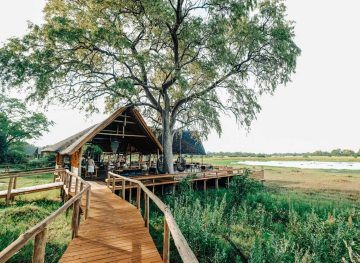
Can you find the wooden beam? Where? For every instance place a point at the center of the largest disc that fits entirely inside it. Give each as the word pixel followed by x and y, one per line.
pixel 138 194
pixel 75 218
pixel 123 189
pixel 8 196
pixel 39 247
pixel 127 122
pixel 123 135
pixel 166 243
pixel 87 208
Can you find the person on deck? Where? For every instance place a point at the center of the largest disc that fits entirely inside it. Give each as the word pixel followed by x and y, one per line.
pixel 91 167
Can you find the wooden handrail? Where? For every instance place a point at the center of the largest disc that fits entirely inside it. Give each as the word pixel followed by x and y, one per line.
pixel 28 173
pixel 39 230
pixel 170 225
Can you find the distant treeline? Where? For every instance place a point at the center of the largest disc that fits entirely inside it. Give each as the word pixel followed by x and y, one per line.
pixel 335 152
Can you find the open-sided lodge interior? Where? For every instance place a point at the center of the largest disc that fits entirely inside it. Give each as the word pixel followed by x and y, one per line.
pixel 122 143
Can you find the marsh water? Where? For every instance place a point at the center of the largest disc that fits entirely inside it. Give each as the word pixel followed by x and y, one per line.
pixel 306 164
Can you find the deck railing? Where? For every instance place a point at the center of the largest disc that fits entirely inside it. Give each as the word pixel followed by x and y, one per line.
pixel 14 175
pixel 170 226
pixel 74 184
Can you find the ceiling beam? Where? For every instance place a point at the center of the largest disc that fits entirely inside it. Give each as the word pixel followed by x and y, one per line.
pixel 123 135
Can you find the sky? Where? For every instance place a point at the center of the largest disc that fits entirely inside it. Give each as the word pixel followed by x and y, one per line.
pixel 318 110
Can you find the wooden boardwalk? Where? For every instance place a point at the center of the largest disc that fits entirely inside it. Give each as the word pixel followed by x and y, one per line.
pixel 114 232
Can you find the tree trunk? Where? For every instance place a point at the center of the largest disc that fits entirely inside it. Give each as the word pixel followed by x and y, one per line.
pixel 167 142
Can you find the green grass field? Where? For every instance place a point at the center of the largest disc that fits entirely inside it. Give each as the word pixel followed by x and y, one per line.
pixel 28 210
pixel 301 215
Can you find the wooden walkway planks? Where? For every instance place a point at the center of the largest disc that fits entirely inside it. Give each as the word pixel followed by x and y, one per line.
pixel 113 232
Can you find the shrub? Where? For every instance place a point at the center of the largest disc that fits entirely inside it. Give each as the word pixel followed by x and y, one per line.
pixel 242 185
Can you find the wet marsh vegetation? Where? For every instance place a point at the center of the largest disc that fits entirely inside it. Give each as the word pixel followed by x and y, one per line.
pixel 253 223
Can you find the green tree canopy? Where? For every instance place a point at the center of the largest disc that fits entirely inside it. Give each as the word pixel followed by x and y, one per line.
pixel 18 124
pixel 183 62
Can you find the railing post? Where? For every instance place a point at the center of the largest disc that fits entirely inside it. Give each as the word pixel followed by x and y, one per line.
pixel 123 189
pixel 130 193
pixel 113 184
pixel 204 185
pixel 76 185
pixel 138 193
pixel 146 210
pixel 14 184
pixel 166 243
pixel 217 181
pixel 228 182
pixel 8 195
pixel 87 202
pixel 39 247
pixel 75 218
pixel 14 187
pixel 69 187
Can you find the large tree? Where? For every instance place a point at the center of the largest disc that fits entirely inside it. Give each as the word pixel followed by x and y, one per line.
pixel 17 125
pixel 183 62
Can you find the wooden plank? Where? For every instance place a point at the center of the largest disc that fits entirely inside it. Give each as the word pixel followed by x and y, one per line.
pixel 113 232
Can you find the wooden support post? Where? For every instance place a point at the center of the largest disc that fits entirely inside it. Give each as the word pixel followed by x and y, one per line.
pixel 8 195
pixel 39 247
pixel 108 181
pixel 162 189
pixel 75 218
pixel 166 243
pixel 130 193
pixel 113 185
pixel 69 187
pixel 14 185
pixel 204 185
pixel 217 183
pixel 87 208
pixel 123 189
pixel 138 193
pixel 174 188
pixel 153 188
pixel 228 181
pixel 146 210
pixel 81 186
pixel 76 185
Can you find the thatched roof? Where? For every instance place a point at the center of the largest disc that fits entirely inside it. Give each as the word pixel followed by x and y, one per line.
pixel 125 124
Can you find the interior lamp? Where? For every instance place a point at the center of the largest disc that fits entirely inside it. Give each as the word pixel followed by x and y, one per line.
pixel 114 146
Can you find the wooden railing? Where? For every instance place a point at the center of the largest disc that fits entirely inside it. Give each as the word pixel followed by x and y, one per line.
pixel 170 226
pixel 39 231
pixel 13 176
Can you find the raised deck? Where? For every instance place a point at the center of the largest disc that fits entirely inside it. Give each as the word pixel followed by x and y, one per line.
pixel 114 232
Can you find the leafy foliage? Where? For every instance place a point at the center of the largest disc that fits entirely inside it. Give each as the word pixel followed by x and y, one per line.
pixel 184 62
pixel 18 124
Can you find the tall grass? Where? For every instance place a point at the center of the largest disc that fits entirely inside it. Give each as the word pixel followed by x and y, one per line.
pixel 22 215
pixel 252 223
